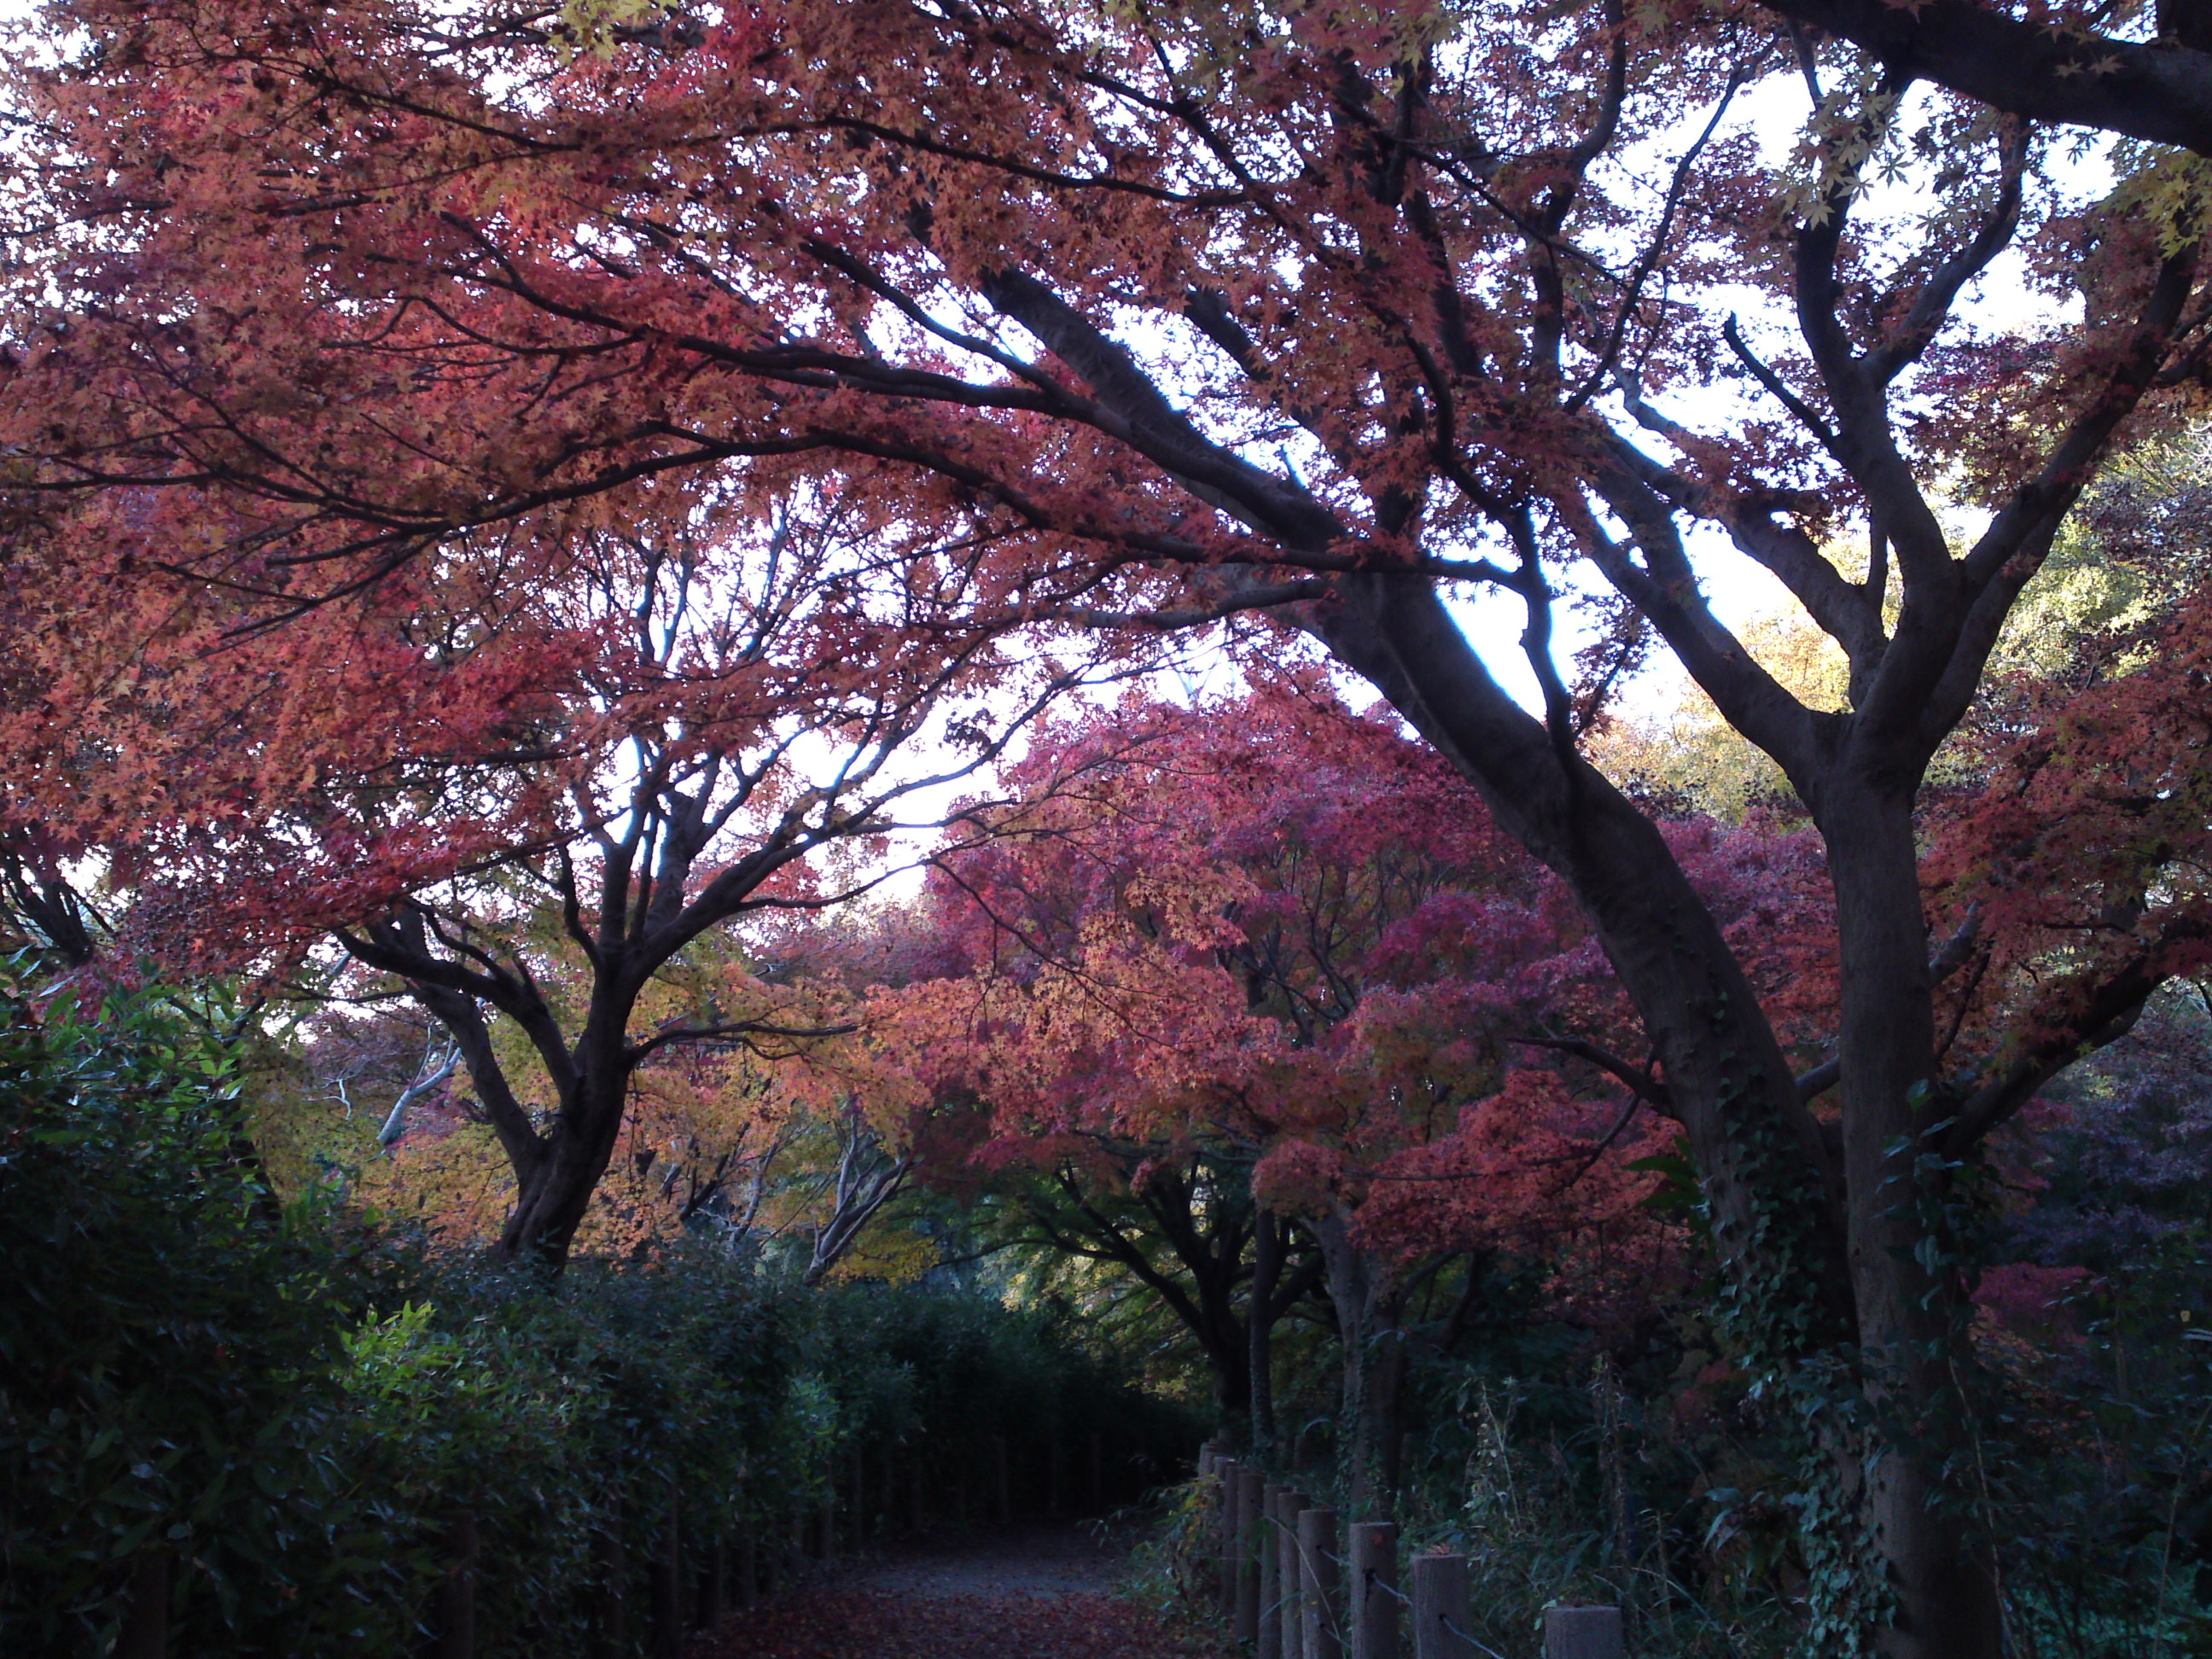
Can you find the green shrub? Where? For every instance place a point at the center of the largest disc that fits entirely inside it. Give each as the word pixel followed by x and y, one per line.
pixel 296 1409
pixel 169 1341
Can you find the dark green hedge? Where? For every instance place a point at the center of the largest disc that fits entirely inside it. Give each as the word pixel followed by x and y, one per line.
pixel 294 1408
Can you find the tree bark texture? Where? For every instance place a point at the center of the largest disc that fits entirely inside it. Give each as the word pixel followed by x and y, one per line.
pixel 1373 1344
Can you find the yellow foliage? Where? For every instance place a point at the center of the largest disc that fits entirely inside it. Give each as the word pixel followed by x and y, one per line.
pixel 1683 746
pixel 458 1185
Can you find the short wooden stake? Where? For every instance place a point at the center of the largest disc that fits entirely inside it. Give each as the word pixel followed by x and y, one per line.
pixel 1271 1575
pixel 146 1609
pixel 1097 1471
pixel 859 1527
pixel 1441 1618
pixel 611 1636
pixel 1224 1520
pixel 714 1584
pixel 1251 1536
pixel 1582 1633
pixel 1374 1590
pixel 1286 1540
pixel 1319 1566
pixel 457 1591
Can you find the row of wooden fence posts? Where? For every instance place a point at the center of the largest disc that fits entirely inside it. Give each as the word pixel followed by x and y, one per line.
pixel 737 1574
pixel 1291 1590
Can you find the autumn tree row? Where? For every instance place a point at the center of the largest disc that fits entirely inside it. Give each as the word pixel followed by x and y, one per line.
pixel 348 343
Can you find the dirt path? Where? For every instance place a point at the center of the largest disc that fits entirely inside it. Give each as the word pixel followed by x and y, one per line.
pixel 1040 1593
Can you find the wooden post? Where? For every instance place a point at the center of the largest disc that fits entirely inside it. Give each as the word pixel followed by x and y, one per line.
pixel 1052 1477
pixel 749 1585
pixel 1271 1575
pixel 1582 1633
pixel 611 1637
pixel 1440 1607
pixel 457 1591
pixel 1374 1590
pixel 1252 1532
pixel 1287 1509
pixel 146 1609
pixel 830 1510
pixel 1097 1471
pixel 1319 1569
pixel 668 1584
pixel 1225 1520
pixel 1003 1489
pixel 860 1528
pixel 919 1516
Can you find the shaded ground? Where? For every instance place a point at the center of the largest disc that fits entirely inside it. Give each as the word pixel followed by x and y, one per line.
pixel 1038 1594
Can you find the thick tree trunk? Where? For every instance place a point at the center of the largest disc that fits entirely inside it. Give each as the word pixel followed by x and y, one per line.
pixel 1942 1579
pixel 554 1192
pixel 1817 1260
pixel 550 1201
pixel 1774 1201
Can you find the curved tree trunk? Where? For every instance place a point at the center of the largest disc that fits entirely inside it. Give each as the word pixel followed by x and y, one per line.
pixel 1818 1260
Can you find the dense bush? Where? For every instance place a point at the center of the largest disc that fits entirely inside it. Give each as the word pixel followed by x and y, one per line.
pixel 940 1383
pixel 170 1346
pixel 296 1409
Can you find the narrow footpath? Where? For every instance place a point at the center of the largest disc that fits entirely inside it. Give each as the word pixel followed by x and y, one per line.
pixel 1035 1593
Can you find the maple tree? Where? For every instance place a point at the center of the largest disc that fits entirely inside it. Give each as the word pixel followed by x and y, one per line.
pixel 716 1143
pixel 1265 932
pixel 534 806
pixel 1322 312
pixel 1176 1220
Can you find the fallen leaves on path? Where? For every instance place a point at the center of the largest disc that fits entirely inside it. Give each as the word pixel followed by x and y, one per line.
pixel 860 1624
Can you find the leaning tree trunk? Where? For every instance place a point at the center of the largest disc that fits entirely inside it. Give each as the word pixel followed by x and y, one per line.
pixel 1801 1242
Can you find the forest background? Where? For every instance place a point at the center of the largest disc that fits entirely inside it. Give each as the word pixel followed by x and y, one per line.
pixel 575 500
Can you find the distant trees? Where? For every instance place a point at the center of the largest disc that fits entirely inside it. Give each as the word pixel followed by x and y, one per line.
pixel 1272 950
pixel 530 788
